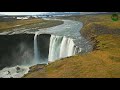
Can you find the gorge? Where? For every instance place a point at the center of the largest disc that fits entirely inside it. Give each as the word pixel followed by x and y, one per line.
pixel 30 47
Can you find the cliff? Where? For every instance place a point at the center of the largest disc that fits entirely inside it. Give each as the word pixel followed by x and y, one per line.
pixel 102 62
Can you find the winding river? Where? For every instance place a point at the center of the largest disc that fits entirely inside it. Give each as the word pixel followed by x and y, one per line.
pixel 65 40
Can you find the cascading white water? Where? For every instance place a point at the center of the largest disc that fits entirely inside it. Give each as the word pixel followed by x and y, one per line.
pixel 77 49
pixel 54 47
pixel 60 47
pixel 67 47
pixel 36 52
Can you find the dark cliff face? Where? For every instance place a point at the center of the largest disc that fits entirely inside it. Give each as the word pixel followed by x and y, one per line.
pixel 18 49
pixel 43 46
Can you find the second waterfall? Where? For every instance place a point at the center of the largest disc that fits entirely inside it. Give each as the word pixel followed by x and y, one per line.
pixel 36 52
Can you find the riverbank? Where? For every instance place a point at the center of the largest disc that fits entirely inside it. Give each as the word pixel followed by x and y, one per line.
pixel 30 23
pixel 102 62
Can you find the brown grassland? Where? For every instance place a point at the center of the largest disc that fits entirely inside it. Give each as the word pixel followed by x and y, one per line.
pixel 102 62
pixel 30 23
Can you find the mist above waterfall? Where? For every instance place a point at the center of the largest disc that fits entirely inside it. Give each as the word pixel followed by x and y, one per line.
pixel 22 54
pixel 36 49
pixel 16 50
pixel 41 47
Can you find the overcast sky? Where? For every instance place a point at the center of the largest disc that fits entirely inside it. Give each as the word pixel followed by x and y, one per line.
pixel 25 13
pixel 22 13
pixel 34 13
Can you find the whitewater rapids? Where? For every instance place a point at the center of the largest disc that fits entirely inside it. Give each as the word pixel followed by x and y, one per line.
pixel 14 72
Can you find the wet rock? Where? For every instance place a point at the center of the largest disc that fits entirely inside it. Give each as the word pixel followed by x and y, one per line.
pixel 17 68
pixel 9 72
pixel 38 67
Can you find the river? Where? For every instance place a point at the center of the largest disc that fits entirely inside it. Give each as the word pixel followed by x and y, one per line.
pixel 65 41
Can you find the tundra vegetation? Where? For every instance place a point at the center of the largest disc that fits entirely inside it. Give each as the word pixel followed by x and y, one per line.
pixel 29 23
pixel 102 62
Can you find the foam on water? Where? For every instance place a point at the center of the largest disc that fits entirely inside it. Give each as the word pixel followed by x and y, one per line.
pixel 14 72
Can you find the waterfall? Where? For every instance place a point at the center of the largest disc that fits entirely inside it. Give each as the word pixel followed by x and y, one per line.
pixel 67 47
pixel 36 52
pixel 60 47
pixel 54 47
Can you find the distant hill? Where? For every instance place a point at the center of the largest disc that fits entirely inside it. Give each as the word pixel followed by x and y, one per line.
pixel 60 13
